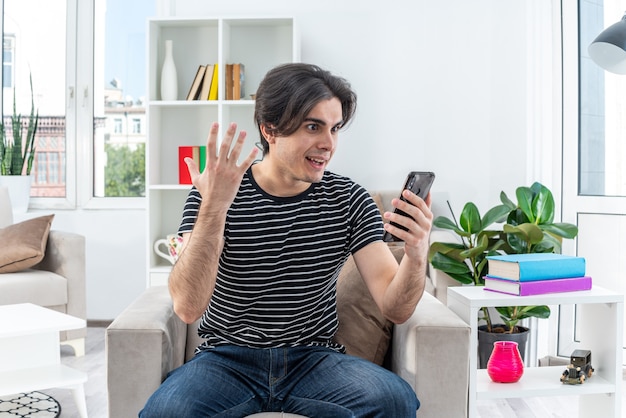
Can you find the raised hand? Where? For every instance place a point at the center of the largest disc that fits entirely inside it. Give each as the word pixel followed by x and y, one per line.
pixel 222 175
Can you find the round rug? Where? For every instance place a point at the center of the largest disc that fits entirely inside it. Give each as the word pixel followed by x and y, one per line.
pixel 31 405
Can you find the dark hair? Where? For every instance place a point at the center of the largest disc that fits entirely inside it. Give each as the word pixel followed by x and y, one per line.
pixel 289 92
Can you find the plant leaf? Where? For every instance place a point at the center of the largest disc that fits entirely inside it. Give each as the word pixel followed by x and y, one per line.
pixel 470 218
pixel 530 233
pixel 495 214
pixel 564 230
pixel 525 202
pixel 507 202
pixel 543 205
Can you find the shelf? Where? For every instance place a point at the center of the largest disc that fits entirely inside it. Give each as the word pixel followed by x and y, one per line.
pixel 260 43
pixel 539 381
pixel 27 380
pixel 597 306
pixel 184 187
pixel 479 297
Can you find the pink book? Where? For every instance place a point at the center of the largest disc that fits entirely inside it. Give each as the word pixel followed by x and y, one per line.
pixel 539 287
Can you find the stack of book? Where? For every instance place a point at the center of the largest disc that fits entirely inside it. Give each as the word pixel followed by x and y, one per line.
pixel 204 85
pixel 536 274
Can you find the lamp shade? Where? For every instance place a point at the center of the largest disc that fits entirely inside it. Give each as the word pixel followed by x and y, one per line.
pixel 608 50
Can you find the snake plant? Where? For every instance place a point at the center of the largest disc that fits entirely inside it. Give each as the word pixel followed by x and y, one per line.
pixel 17 151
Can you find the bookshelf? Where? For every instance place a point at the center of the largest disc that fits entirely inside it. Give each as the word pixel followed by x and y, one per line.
pixel 259 44
pixel 600 331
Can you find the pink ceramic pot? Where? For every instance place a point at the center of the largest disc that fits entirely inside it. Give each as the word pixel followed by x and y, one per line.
pixel 505 364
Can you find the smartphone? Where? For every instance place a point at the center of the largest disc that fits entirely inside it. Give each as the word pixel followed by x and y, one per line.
pixel 418 182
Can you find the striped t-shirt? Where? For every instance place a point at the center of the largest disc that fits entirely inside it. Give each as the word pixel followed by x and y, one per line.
pixel 277 274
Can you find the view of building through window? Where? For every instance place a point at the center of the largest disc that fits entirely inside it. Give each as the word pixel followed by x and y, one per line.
pixel 119 153
pixel 119 91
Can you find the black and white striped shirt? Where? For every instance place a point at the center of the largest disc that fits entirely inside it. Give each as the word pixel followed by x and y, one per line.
pixel 277 274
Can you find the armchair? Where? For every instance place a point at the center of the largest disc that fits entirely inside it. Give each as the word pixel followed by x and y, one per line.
pixel 56 282
pixel 430 350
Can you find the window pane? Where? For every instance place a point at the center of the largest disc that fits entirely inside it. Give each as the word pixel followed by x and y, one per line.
pixel 602 158
pixel 119 141
pixel 26 52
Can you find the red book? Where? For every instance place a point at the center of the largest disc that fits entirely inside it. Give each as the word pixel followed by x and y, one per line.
pixel 537 287
pixel 183 171
pixel 195 152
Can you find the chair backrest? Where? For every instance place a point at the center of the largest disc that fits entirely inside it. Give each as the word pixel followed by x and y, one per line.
pixel 6 211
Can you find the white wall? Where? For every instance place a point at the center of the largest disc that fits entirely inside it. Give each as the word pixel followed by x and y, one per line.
pixel 441 87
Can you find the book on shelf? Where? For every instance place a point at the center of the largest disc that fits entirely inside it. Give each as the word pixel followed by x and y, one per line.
pixel 195 152
pixel 229 81
pixel 206 83
pixel 213 90
pixel 535 266
pixel 195 85
pixel 537 287
pixel 238 81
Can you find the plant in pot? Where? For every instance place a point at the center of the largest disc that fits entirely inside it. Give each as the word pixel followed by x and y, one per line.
pixel 17 151
pixel 528 227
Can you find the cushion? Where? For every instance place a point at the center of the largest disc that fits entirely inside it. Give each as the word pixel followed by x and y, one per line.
pixel 22 245
pixel 363 329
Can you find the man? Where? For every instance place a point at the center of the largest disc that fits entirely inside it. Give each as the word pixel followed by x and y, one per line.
pixel 262 247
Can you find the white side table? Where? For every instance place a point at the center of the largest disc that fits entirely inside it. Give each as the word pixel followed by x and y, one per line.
pixel 602 313
pixel 30 358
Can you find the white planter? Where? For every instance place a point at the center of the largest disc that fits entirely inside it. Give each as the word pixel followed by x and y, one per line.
pixel 19 191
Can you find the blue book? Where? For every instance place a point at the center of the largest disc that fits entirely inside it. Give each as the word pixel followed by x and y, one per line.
pixel 535 266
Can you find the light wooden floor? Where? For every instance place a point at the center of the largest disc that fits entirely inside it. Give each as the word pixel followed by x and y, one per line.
pixel 93 363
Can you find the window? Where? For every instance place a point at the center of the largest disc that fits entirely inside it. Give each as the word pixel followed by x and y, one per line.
pixel 93 91
pixel 122 63
pixel 27 54
pixel 117 126
pixel 136 126
pixel 602 164
pixel 594 154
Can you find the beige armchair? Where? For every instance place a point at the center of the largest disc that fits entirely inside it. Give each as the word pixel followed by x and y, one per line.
pixel 56 282
pixel 430 351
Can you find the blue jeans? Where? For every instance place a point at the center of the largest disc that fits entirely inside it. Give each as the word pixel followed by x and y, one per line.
pixel 234 382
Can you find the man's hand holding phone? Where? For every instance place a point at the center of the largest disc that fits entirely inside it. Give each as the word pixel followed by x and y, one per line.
pixel 407 208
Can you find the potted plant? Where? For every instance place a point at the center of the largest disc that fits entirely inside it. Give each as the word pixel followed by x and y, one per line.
pixel 528 227
pixel 17 152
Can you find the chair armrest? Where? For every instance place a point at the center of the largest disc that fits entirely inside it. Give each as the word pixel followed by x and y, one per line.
pixel 65 256
pixel 431 352
pixel 144 343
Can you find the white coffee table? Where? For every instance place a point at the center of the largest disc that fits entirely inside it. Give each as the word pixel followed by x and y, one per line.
pixel 30 357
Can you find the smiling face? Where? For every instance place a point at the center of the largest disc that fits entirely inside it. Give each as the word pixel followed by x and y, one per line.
pixel 299 159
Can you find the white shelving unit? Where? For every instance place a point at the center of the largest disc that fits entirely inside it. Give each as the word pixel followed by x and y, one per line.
pixel 602 313
pixel 260 44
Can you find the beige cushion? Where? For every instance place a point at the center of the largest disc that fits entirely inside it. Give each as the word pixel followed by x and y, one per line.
pixel 40 287
pixel 23 245
pixel 363 329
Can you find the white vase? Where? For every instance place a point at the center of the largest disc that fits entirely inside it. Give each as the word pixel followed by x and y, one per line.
pixel 169 82
pixel 19 191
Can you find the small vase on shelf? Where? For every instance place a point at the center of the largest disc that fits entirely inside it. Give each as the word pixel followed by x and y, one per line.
pixel 505 364
pixel 169 82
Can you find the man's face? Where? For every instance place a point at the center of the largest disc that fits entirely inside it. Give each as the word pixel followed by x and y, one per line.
pixel 304 155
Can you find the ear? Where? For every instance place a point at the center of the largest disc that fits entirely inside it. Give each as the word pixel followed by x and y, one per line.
pixel 265 131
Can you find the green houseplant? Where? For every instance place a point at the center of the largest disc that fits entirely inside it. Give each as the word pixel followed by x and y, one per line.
pixel 527 227
pixel 17 151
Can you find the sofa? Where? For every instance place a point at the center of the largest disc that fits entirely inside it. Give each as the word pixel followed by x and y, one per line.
pixel 43 266
pixel 430 350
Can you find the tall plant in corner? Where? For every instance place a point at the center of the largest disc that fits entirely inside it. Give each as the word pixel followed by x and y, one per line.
pixel 17 151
